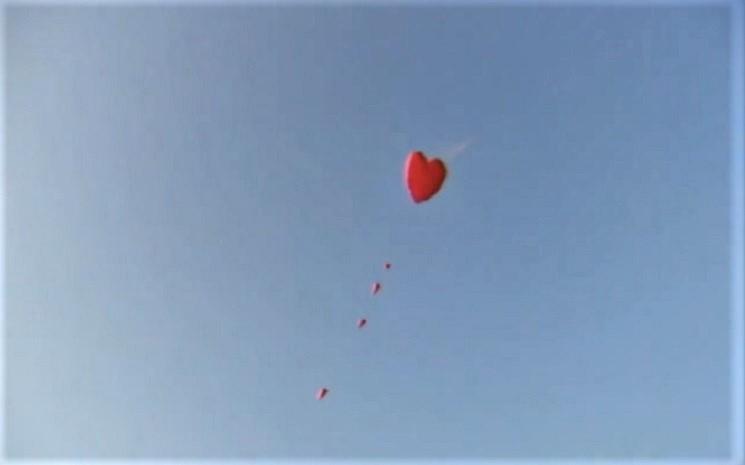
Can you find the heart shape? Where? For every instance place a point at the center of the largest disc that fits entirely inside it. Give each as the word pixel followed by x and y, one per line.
pixel 423 177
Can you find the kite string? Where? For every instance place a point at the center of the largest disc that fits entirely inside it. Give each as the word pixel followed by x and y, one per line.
pixel 455 151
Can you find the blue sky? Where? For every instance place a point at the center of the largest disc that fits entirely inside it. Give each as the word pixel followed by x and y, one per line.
pixel 199 198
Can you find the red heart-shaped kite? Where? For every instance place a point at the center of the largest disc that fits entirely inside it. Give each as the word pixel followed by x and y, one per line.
pixel 423 177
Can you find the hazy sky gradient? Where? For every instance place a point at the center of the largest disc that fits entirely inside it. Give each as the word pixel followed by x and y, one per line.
pixel 199 198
